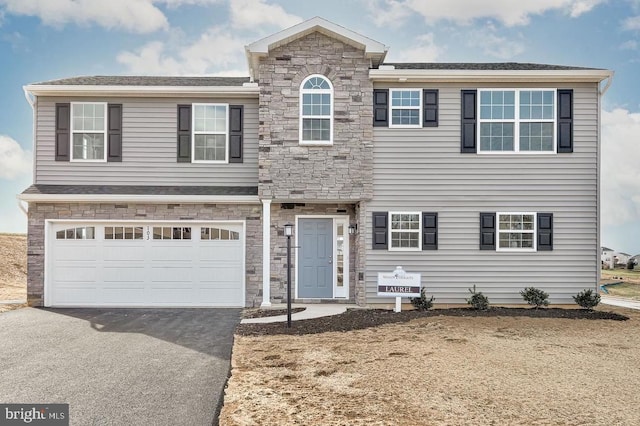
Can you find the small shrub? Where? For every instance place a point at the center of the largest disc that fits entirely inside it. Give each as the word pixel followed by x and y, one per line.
pixel 587 299
pixel 535 297
pixel 478 300
pixel 422 303
pixel 630 265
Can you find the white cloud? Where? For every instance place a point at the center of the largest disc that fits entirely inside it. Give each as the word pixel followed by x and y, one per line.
pixel 629 45
pixel 620 171
pixel 252 14
pixel 14 161
pixel 425 50
pixel 139 16
pixel 387 13
pixel 508 12
pixel 492 44
pixel 215 52
pixel 632 23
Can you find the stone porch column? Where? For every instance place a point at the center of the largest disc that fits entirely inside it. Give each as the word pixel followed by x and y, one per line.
pixel 266 254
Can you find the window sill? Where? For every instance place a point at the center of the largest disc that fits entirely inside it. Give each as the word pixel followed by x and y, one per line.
pixel 417 249
pixel 208 162
pixel 80 160
pixel 316 143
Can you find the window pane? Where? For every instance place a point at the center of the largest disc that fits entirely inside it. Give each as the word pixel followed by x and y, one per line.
pixel 536 137
pixel 210 147
pixel 316 83
pixel 316 129
pixel 405 98
pixel 71 234
pixel 118 233
pixel 157 233
pixel 138 233
pixel 166 233
pixel 90 232
pixel 234 235
pixel 88 146
pixel 405 116
pixel 128 233
pixel 108 233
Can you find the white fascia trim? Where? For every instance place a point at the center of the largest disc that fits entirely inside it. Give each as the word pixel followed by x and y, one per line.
pixel 495 76
pixel 143 91
pixel 138 199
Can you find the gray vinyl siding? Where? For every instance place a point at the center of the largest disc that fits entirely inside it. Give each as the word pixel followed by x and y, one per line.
pixel 148 148
pixel 423 170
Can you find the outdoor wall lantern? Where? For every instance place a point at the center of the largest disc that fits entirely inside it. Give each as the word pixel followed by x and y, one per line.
pixel 353 229
pixel 288 229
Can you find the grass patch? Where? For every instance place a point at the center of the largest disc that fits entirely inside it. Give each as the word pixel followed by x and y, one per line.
pixel 627 290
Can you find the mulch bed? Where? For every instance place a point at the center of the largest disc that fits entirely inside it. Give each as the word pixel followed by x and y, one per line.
pixel 261 313
pixel 357 319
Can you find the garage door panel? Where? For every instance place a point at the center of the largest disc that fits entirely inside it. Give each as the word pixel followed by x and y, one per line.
pixel 141 272
pixel 169 250
pixel 75 294
pixel 122 294
pixel 220 274
pixel 222 252
pixel 75 251
pixel 126 253
pixel 76 273
pixel 123 273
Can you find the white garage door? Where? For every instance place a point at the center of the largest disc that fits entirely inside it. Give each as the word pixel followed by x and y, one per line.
pixel 146 264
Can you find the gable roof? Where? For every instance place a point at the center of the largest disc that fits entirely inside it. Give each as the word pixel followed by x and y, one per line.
pixel 606 249
pixel 375 50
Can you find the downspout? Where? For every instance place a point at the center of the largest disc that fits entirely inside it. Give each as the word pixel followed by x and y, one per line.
pixel 601 92
pixel 32 100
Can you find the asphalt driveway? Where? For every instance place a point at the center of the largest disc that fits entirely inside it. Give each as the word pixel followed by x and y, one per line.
pixel 119 366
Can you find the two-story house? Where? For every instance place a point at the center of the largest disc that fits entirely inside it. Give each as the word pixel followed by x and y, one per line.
pixel 173 191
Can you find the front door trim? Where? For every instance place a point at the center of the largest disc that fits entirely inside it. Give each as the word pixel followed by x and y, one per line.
pixel 337 219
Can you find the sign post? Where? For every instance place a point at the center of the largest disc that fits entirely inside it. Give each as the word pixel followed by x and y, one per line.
pixel 398 284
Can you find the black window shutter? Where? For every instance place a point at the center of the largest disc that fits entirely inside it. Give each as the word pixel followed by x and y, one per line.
pixel 429 231
pixel 468 115
pixel 380 230
pixel 430 108
pixel 487 231
pixel 114 133
pixel 565 120
pixel 63 131
pixel 184 133
pixel 545 231
pixel 380 107
pixel 236 116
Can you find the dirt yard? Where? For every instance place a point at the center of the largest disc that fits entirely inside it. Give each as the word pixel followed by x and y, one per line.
pixel 442 370
pixel 13 268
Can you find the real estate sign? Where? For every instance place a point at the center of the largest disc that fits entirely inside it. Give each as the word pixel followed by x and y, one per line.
pixel 398 284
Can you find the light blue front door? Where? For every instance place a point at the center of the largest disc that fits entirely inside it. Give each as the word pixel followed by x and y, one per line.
pixel 315 262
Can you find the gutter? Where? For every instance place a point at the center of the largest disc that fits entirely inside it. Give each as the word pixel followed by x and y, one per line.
pixel 24 209
pixel 246 90
pixel 138 198
pixel 489 76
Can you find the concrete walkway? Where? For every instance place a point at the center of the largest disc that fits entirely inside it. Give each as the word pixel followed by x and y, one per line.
pixel 619 301
pixel 313 310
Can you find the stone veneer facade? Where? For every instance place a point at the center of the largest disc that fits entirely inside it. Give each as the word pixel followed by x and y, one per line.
pixel 290 171
pixel 279 217
pixel 39 212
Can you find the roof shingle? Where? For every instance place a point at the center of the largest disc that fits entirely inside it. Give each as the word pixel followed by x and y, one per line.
pixel 123 80
pixel 140 190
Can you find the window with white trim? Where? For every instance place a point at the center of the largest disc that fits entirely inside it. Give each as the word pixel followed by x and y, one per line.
pixel 218 234
pixel 171 233
pixel 517 120
pixel 406 107
pixel 316 111
pixel 404 232
pixel 516 231
pixel 210 133
pixel 123 233
pixel 83 233
pixel 88 131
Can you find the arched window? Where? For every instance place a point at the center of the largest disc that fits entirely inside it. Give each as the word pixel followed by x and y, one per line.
pixel 316 111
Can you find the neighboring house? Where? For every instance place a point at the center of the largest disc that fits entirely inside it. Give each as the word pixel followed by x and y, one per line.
pixel 622 258
pixel 606 255
pixel 173 191
pixel 635 259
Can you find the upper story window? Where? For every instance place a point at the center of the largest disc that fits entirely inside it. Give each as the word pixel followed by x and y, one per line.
pixel 88 131
pixel 406 107
pixel 517 120
pixel 210 133
pixel 316 111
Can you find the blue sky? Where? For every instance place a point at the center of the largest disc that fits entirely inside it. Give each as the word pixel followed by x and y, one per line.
pixel 48 39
